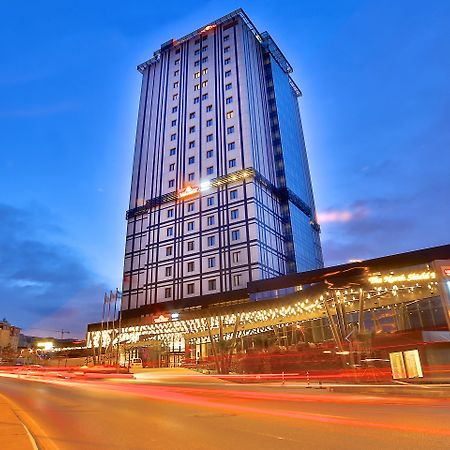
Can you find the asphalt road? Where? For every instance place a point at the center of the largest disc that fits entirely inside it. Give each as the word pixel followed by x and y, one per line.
pixel 154 414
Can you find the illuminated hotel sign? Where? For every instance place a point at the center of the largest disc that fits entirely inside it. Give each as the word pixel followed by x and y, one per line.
pixel 161 319
pixel 188 191
pixel 446 271
pixel 391 279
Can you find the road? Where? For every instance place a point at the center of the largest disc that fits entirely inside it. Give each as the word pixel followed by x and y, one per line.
pixel 157 413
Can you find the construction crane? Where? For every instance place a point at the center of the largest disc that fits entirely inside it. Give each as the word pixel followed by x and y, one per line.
pixel 62 331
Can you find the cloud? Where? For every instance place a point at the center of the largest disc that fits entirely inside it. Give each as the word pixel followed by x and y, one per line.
pixel 343 215
pixel 44 283
pixel 39 111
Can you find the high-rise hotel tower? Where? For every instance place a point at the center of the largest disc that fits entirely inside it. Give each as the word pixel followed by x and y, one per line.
pixel 221 192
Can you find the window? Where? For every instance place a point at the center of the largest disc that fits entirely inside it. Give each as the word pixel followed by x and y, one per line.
pixel 169 250
pixel 168 271
pixel 209 154
pixel 190 267
pixel 205 48
pixel 197 41
pixel 227 61
pixel 236 256
pixel 231 163
pixel 236 280
pixel 197 75
pixel 172 151
pixel 174 123
pixel 205 97
pixel 228 86
pixel 209 108
pixel 177 61
pixel 234 213
pixel 209 138
pixel 167 292
pixel 205 83
pixel 210 201
pixel 172 167
pixel 190 226
pixel 228 73
pixel 231 146
pixel 196 87
pixel 175 109
pixel 226 38
pixel 192 129
pixel 170 212
pixel 229 100
pixel 209 123
pixel 190 288
pixel 190 206
pixel 197 52
pixel 176 73
pixel 235 235
pixel 211 262
pixel 230 114
pixel 211 285
pixel 196 100
pixel 233 194
pixel 211 241
pixel 175 97
pixel 205 59
pixel 205 71
pixel 210 169
pixel 210 220
pixel 192 144
pixel 171 183
pixel 173 137
pixel 230 130
pixel 197 63
pixel 169 231
pixel 192 115
pixel 177 50
pixel 190 246
pixel 175 85
pixel 191 176
pixel 226 49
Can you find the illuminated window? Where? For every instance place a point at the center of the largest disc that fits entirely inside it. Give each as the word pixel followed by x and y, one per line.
pixel 235 235
pixel 236 257
pixel 210 170
pixel 168 271
pixel 230 114
pixel 231 146
pixel 197 75
pixel 211 262
pixel 190 246
pixel 205 83
pixel 190 288
pixel 196 87
pixel 234 213
pixel 211 241
pixel 209 154
pixel 210 220
pixel 190 267
pixel 169 250
pixel 205 71
pixel 233 194
pixel 211 285
pixel 190 226
pixel 167 292
pixel 231 163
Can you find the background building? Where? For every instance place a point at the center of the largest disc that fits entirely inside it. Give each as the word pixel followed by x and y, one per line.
pixel 9 338
pixel 221 192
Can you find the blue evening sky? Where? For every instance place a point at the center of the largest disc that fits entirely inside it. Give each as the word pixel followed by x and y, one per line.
pixel 376 112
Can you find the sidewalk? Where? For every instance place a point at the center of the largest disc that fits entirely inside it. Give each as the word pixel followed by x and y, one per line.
pixel 14 435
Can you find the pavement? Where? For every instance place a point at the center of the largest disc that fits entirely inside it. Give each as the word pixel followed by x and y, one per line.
pixel 15 435
pixel 182 410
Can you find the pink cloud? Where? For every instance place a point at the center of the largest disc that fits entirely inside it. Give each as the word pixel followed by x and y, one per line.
pixel 342 215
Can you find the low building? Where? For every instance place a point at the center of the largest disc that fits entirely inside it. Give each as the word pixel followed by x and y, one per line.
pixel 388 312
pixel 9 339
